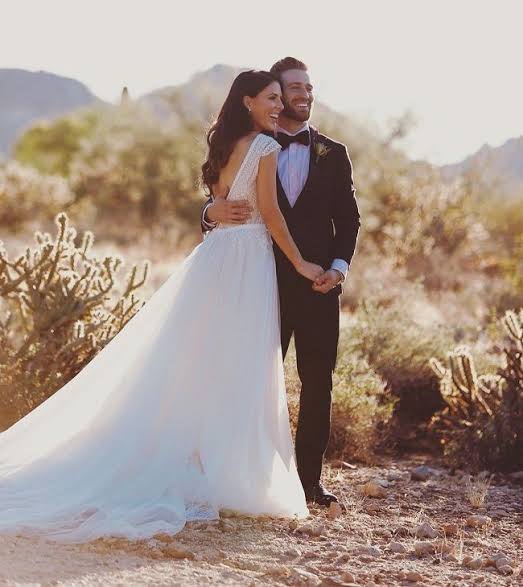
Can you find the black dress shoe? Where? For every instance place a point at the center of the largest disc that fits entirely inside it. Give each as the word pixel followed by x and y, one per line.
pixel 318 494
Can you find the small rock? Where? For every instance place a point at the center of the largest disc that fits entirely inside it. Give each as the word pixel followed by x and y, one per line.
pixel 314 530
pixel 397 547
pixel 402 531
pixel 293 552
pixel 373 489
pixel 347 577
pixel 334 511
pixel 450 557
pixel 302 577
pixel 423 548
pixel 373 551
pixel 472 563
pixel 425 530
pixel 413 576
pixel 416 494
pixel 422 473
pixel 502 561
pixel 173 551
pixel 331 582
pixel 478 521
pixel 505 570
pixel 371 508
pixel 450 529
pixel 498 513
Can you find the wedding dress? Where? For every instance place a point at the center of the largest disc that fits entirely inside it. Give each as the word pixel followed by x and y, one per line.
pixel 183 413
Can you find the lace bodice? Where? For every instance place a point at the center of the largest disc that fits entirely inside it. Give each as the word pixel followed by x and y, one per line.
pixel 244 185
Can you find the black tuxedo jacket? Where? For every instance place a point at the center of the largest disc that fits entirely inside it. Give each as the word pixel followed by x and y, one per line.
pixel 324 221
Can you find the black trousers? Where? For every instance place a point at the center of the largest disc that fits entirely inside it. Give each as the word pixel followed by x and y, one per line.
pixel 314 319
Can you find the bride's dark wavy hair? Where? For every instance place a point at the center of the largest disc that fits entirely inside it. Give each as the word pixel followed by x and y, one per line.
pixel 233 122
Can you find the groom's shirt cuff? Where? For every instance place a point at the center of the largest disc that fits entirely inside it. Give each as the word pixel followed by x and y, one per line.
pixel 341 266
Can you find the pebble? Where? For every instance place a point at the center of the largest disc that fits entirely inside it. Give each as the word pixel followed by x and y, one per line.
pixel 506 570
pixel 302 577
pixel 347 577
pixel 397 547
pixel 314 530
pixel 472 563
pixel 173 551
pixel 373 489
pixel 423 548
pixel 425 530
pixel 373 551
pixel 450 529
pixel 334 511
pixel 413 576
pixel 422 473
pixel 502 561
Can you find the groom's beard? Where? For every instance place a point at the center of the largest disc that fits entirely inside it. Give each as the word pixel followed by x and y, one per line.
pixel 299 116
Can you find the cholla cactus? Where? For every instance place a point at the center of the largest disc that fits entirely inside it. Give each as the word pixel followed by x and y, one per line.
pixel 483 418
pixel 59 305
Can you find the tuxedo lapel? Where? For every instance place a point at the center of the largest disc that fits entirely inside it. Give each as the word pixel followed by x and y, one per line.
pixel 283 200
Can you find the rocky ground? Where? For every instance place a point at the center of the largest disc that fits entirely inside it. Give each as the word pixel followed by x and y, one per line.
pixel 401 523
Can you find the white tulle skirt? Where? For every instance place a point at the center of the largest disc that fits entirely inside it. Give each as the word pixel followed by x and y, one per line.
pixel 182 414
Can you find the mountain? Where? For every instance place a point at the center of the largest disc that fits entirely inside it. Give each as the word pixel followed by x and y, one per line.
pixel 202 95
pixel 501 167
pixel 28 96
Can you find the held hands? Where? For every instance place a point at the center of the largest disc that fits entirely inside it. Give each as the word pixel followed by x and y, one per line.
pixel 309 270
pixel 233 212
pixel 327 281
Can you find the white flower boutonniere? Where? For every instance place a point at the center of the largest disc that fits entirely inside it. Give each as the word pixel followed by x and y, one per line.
pixel 321 150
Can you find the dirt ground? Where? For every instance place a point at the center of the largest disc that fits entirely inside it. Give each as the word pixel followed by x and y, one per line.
pixel 400 525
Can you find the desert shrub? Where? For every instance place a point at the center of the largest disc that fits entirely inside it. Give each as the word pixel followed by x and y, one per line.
pixel 51 147
pixel 397 339
pixel 361 406
pixel 27 195
pixel 59 305
pixel 482 422
pixel 127 170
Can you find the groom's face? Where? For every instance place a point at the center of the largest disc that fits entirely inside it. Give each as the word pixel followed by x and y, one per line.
pixel 297 95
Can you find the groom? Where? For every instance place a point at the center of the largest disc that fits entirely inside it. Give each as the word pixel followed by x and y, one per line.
pixel 316 197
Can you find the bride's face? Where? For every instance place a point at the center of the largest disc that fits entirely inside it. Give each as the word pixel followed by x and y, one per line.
pixel 265 108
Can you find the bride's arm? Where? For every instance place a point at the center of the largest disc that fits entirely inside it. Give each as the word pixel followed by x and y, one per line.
pixel 274 220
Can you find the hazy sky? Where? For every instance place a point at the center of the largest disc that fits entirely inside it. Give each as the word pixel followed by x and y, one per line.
pixel 455 64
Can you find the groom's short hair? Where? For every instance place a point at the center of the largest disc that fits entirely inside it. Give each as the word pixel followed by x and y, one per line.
pixel 285 64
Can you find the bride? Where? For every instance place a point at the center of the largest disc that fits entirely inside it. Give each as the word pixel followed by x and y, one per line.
pixel 148 436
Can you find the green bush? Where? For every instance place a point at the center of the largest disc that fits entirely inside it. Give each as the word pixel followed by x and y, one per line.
pixel 27 196
pixel 361 405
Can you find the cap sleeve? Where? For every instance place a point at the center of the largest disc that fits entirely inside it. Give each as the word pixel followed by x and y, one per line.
pixel 269 145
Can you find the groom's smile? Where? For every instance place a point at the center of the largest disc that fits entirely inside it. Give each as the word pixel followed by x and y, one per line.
pixel 297 95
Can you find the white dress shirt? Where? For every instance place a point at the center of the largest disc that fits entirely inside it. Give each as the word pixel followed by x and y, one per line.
pixel 293 170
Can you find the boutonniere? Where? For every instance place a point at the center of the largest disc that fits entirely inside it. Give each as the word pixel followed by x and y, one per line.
pixel 321 150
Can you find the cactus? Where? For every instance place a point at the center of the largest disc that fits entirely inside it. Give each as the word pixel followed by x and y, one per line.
pixel 59 305
pixel 483 418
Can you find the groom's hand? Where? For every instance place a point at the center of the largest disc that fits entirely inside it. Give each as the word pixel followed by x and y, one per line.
pixel 233 212
pixel 327 281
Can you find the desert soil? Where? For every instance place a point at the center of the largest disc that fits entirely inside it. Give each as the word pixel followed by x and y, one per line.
pixel 400 525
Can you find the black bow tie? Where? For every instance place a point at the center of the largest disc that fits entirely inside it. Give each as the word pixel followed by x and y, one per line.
pixel 285 140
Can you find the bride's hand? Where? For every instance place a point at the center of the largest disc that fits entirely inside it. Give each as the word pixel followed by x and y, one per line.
pixel 309 270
